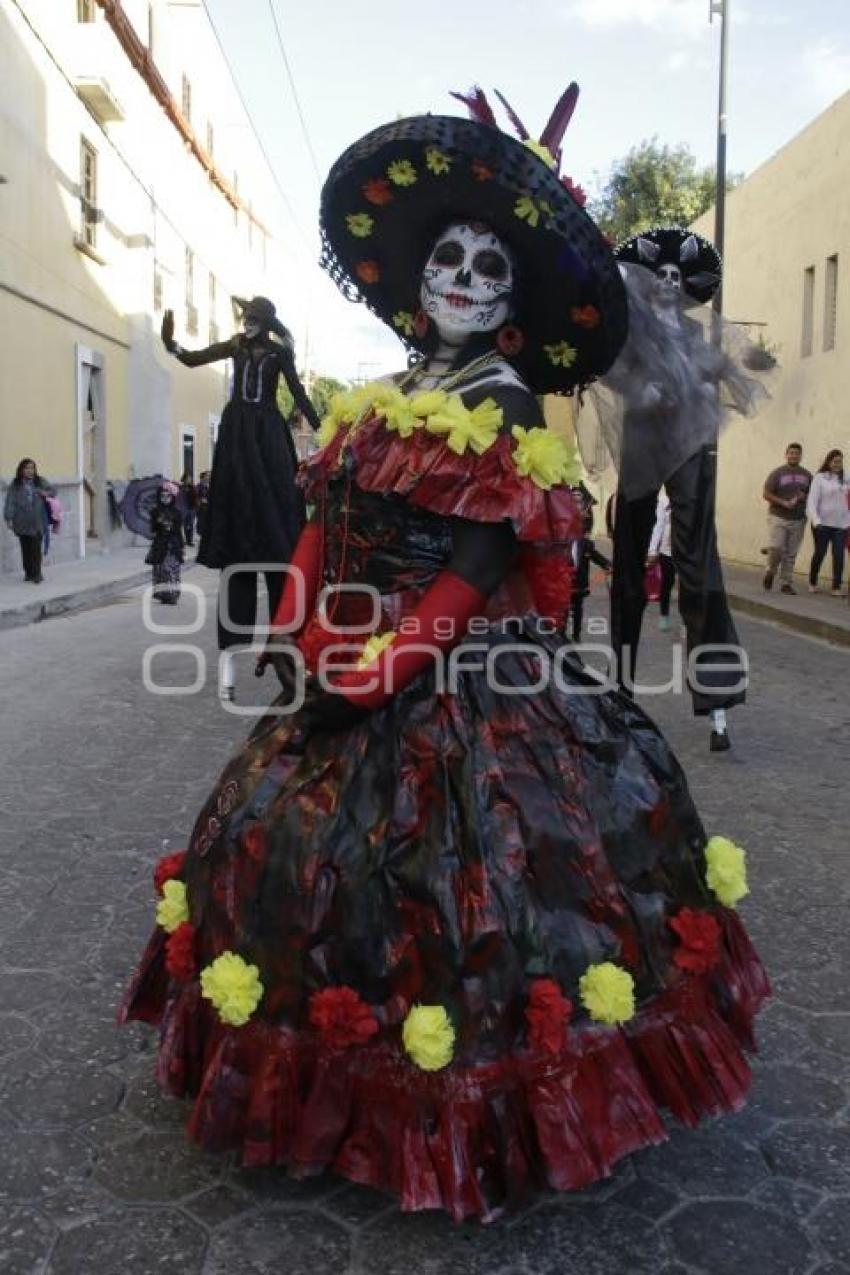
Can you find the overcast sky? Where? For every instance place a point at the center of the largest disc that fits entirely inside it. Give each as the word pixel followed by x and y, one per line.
pixel 646 68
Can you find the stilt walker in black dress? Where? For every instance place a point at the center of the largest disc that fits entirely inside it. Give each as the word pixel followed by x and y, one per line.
pixel 255 510
pixel 449 924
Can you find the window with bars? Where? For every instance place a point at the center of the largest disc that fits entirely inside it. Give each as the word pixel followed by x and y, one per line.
pixel 807 342
pixel 213 307
pixel 186 98
pixel 191 308
pixel 210 139
pixel 157 288
pixel 151 29
pixel 86 10
pixel 88 193
pixel 830 302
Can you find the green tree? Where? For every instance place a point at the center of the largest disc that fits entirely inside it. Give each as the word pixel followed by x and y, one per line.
pixel 654 185
pixel 321 392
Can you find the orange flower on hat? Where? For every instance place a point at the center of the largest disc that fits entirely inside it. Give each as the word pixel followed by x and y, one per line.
pixel 378 191
pixel 368 271
pixel 586 316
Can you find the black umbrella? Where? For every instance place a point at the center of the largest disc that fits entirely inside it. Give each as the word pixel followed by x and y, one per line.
pixel 140 498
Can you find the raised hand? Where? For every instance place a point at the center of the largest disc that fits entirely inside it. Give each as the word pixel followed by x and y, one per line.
pixel 167 330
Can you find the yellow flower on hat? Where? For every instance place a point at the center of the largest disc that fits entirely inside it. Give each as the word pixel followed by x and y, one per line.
pixel 377 643
pixel 403 320
pixel 360 224
pixel 562 355
pixel 233 986
pixel 462 428
pixel 173 908
pixel 428 1037
pixel 437 161
pixel 544 457
pixel 726 870
pixel 401 172
pixel 541 151
pixel 527 210
pixel 607 993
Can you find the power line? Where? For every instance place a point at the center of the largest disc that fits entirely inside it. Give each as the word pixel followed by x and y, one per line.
pixel 296 223
pixel 289 76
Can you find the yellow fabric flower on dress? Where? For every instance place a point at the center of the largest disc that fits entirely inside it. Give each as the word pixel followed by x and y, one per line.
pixel 437 161
pixel 401 173
pixel 726 871
pixel 562 355
pixel 360 224
pixel 173 908
pixel 399 416
pixel 541 151
pixel 233 986
pixel 429 1037
pixel 427 402
pixel 403 320
pixel 463 428
pixel 527 210
pixel 544 457
pixel 607 993
pixel 377 643
pixel 345 408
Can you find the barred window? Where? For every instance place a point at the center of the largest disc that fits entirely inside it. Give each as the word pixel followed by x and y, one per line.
pixel 88 193
pixel 830 302
pixel 807 342
pixel 210 139
pixel 86 10
pixel 213 307
pixel 186 98
pixel 157 288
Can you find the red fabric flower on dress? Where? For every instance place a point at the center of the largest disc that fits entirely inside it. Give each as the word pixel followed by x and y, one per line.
pixel 180 953
pixel 481 172
pixel 169 867
pixel 378 191
pixel 699 938
pixel 548 1012
pixel 342 1017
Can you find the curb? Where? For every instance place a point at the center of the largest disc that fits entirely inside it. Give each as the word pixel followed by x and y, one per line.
pixel 79 600
pixel 810 626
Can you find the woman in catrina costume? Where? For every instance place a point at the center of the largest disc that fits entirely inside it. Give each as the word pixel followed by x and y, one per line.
pixel 449 923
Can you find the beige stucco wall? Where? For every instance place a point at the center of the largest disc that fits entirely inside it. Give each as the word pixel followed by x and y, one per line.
pixel 790 214
pixel 58 304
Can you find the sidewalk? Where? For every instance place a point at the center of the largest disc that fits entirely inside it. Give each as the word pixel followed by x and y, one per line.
pixel 815 614
pixel 68 586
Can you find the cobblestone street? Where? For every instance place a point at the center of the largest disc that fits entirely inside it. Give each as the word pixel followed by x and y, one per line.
pixel 100 778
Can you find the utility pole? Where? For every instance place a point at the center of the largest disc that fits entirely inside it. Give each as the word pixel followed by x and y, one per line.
pixel 721 9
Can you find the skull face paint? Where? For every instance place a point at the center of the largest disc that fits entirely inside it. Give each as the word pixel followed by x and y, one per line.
pixel 671 275
pixel 467 283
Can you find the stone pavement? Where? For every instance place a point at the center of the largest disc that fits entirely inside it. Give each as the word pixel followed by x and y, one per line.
pixel 100 777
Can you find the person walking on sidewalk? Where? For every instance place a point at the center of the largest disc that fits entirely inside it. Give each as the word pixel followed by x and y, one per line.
pixel 187 497
pixel 785 490
pixel 584 553
pixel 25 512
pixel 165 555
pixel 829 515
pixel 661 552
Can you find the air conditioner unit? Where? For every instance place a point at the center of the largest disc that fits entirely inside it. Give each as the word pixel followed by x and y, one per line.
pixel 100 99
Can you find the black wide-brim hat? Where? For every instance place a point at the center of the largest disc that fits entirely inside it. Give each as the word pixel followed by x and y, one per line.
pixel 258 308
pixel 390 194
pixel 698 260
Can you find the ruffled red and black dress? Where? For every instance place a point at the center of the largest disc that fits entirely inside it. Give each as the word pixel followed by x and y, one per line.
pixel 528 869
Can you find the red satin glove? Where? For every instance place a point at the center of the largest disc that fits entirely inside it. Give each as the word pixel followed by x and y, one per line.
pixel 437 624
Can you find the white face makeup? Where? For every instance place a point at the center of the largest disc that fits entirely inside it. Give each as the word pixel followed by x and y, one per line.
pixel 250 327
pixel 467 283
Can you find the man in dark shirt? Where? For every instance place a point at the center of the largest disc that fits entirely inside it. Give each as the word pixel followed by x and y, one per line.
pixel 785 491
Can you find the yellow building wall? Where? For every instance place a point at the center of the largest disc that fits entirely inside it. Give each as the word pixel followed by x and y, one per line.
pixel 790 214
